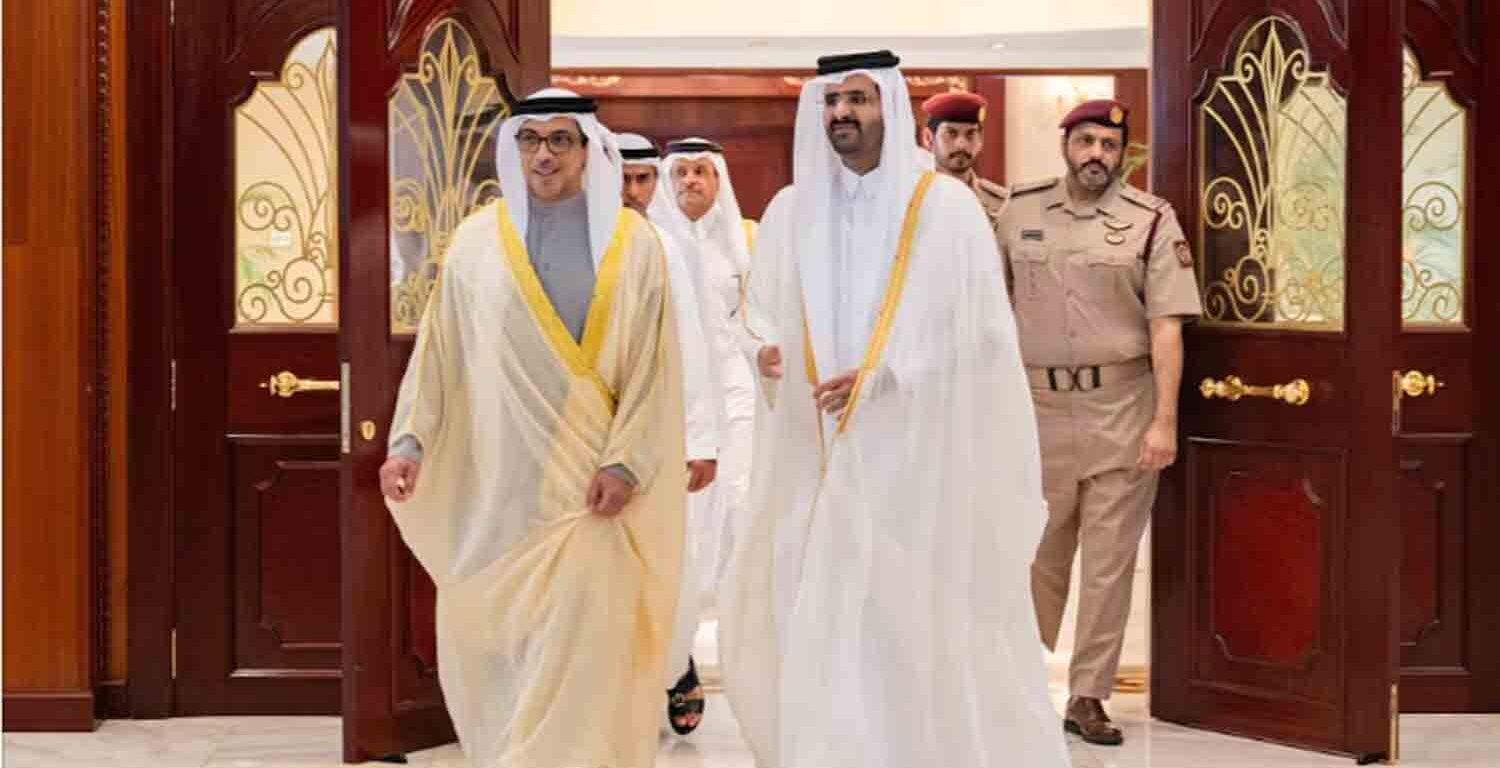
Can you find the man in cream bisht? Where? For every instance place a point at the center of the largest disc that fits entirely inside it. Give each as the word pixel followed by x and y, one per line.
pixel 537 457
pixel 696 203
pixel 876 612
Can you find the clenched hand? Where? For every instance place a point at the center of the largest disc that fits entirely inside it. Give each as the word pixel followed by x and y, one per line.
pixel 398 478
pixel 608 494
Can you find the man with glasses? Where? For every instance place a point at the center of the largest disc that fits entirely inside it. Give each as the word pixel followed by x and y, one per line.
pixel 536 465
pixel 1102 278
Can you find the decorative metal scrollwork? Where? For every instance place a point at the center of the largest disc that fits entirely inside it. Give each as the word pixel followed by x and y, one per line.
pixel 443 117
pixel 1272 218
pixel 286 167
pixel 1434 173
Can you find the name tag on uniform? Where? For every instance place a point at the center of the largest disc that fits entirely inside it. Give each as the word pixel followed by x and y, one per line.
pixel 1033 234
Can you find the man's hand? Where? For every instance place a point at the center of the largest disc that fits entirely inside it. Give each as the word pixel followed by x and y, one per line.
pixel 769 361
pixel 833 394
pixel 608 494
pixel 1159 449
pixel 398 478
pixel 701 474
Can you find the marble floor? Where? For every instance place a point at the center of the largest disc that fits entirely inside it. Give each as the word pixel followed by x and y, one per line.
pixel 313 742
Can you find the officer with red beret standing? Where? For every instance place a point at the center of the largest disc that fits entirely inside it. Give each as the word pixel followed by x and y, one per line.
pixel 955 136
pixel 1102 280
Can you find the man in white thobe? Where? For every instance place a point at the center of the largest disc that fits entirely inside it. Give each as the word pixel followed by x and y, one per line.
pixel 703 399
pixel 695 201
pixel 876 612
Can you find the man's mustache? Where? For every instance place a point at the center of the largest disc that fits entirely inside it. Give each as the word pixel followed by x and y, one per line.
pixel 1100 165
pixel 961 156
pixel 850 123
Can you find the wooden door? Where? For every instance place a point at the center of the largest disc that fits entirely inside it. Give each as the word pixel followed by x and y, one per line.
pixel 427 82
pixel 1277 538
pixel 1450 650
pixel 255 475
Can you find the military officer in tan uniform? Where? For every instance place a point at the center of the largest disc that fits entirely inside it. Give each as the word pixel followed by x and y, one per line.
pixel 955 136
pixel 1102 279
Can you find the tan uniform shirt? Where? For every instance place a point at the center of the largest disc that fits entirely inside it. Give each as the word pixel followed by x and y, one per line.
pixel 993 198
pixel 1086 279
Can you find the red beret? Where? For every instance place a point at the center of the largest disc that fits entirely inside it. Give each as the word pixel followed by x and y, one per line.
pixel 1106 112
pixel 956 107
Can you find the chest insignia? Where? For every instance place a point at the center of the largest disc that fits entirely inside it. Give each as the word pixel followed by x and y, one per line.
pixel 1034 235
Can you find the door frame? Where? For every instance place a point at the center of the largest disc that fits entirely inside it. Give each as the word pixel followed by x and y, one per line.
pixel 149 287
pixel 1485 588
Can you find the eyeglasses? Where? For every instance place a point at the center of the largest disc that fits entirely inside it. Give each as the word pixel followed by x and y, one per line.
pixel 558 142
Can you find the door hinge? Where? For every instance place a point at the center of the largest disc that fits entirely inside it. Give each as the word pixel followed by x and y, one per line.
pixel 1395 746
pixel 172 386
pixel 174 653
pixel 345 441
pixel 1396 394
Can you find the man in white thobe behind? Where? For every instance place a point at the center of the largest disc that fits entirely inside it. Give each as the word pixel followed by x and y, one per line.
pixel 703 400
pixel 695 201
pixel 876 612
pixel 536 466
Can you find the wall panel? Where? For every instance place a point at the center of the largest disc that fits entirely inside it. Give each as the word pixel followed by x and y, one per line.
pixel 49 386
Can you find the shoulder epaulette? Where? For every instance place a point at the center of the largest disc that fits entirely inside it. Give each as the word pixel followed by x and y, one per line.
pixel 993 188
pixel 1026 188
pixel 1142 198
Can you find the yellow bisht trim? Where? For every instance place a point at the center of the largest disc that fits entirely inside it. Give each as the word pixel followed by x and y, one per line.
pixel 748 225
pixel 580 359
pixel 894 286
pixel 608 279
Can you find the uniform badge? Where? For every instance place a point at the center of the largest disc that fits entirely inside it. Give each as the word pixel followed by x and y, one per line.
pixel 1184 253
pixel 1116 233
pixel 1035 235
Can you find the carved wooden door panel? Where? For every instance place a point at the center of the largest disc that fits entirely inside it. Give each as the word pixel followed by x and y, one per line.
pixel 428 81
pixel 1450 648
pixel 1277 539
pixel 255 279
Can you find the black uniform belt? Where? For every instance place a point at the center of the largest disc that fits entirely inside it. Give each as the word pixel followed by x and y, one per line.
pixel 1086 378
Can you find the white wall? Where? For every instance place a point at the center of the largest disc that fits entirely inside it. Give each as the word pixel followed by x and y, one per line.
pixel 1034 105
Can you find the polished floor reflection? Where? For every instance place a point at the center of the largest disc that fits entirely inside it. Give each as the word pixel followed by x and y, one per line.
pixel 313 742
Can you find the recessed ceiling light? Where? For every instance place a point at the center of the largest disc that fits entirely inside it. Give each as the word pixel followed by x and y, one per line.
pixel 758 44
pixel 997 46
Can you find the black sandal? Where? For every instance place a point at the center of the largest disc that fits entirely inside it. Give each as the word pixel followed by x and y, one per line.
pixel 686 699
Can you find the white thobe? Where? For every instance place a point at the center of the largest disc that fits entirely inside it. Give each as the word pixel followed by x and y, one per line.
pixel 862 264
pixel 700 399
pixel 712 512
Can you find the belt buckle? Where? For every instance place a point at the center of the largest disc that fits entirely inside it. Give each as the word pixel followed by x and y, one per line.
pixel 1075 379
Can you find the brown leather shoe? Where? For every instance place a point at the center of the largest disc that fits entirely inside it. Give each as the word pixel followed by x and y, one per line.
pixel 1086 718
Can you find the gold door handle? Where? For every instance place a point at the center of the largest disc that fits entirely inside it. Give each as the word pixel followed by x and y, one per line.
pixel 1295 392
pixel 286 384
pixel 1417 384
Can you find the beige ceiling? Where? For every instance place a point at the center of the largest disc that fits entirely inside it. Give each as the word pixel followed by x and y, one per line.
pixel 839 18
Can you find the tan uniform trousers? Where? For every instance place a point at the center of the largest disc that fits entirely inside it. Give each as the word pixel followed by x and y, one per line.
pixel 1099 504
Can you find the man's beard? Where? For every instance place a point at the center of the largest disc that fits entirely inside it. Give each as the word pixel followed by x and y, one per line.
pixel 846 144
pixel 1092 181
pixel 958 163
